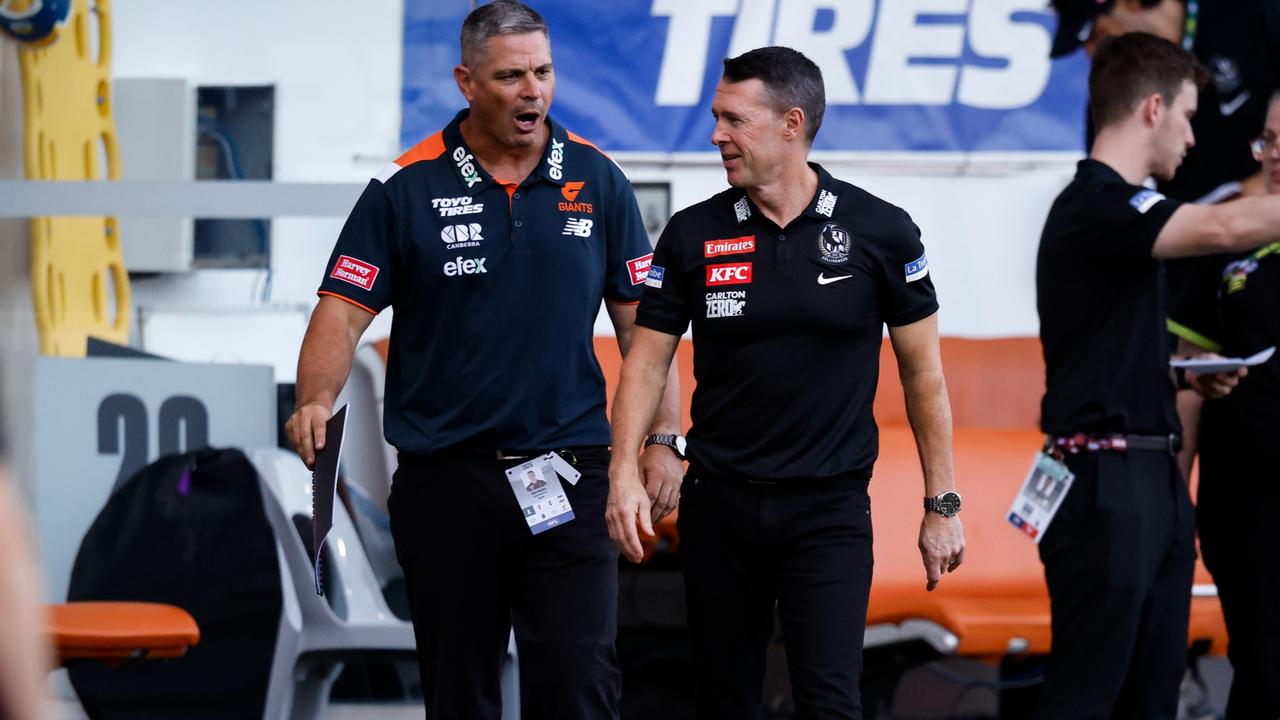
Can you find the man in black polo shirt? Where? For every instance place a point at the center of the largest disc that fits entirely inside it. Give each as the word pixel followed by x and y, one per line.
pixel 789 279
pixel 1119 556
pixel 1239 42
pixel 499 234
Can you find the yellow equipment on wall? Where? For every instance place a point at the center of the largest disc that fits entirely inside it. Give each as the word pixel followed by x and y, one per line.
pixel 79 282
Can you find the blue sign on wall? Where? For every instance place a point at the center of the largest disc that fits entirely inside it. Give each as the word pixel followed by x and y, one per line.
pixel 901 75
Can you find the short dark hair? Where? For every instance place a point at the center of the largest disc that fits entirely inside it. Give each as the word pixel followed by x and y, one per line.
pixel 500 17
pixel 791 79
pixel 1130 67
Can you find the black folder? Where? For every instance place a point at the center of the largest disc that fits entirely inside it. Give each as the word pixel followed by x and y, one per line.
pixel 324 488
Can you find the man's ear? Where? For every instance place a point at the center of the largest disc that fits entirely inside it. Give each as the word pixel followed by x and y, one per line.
pixel 793 123
pixel 462 76
pixel 1153 109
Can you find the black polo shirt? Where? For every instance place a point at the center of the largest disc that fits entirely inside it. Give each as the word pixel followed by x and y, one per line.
pixel 1233 309
pixel 496 287
pixel 787 325
pixel 1101 298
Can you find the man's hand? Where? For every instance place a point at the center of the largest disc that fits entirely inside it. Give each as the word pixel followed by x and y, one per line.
pixel 1216 385
pixel 628 509
pixel 941 546
pixel 305 429
pixel 663 472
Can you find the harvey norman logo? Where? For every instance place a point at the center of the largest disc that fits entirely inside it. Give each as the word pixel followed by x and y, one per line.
pixel 1010 70
pixel 357 272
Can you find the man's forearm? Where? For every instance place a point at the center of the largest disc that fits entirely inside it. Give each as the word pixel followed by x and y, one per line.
pixel 929 412
pixel 324 362
pixel 641 393
pixel 666 419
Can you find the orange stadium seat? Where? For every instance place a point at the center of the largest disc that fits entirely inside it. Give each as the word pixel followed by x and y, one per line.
pixel 113 632
pixel 997 603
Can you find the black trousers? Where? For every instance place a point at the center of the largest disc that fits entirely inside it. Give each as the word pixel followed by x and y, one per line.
pixel 804 547
pixel 474 571
pixel 1237 475
pixel 1119 560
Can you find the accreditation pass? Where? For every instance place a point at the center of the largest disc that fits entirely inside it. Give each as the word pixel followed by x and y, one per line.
pixel 1041 496
pixel 536 485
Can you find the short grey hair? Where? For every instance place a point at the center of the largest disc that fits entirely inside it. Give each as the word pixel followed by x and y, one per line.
pixel 500 17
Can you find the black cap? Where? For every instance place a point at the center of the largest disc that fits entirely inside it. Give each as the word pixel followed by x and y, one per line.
pixel 1075 23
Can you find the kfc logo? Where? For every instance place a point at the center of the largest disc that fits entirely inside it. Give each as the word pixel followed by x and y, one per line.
pixel 729 274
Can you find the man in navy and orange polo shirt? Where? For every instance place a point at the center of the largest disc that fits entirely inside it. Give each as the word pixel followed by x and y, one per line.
pixel 495 241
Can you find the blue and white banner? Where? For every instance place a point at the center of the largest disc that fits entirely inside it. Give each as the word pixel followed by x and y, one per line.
pixel 901 75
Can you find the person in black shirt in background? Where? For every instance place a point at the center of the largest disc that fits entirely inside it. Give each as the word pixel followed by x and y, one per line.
pixel 1239 42
pixel 1119 556
pixel 1234 309
pixel 788 279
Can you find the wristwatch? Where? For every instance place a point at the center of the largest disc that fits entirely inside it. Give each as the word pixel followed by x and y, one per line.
pixel 677 443
pixel 947 504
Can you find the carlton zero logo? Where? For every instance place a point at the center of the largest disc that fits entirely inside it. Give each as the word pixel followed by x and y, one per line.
pixel 726 303
pixel 452 207
pixel 570 193
pixel 466 166
pixel 357 272
pixel 639 269
pixel 729 274
pixel 730 246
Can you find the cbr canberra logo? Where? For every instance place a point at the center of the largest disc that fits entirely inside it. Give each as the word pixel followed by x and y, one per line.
pixel 916 48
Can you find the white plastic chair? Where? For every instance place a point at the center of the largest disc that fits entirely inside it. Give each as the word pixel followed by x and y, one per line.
pixel 314 638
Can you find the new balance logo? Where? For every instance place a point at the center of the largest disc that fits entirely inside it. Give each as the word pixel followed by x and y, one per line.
pixel 578 226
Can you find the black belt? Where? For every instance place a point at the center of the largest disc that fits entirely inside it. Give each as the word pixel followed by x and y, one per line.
pixel 1080 442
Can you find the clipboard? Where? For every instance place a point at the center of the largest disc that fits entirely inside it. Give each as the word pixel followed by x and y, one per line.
pixel 324 489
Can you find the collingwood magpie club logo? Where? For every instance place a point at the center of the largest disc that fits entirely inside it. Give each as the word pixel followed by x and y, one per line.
pixel 833 244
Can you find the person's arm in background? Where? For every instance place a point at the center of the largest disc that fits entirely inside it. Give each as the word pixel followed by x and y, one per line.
pixel 24 650
pixel 917 349
pixel 661 470
pixel 323 365
pixel 1234 226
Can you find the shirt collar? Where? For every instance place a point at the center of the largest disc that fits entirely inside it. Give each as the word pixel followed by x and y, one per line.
pixel 476 179
pixel 821 207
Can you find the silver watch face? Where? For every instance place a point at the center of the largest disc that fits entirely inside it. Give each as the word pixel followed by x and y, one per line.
pixel 681 444
pixel 948 503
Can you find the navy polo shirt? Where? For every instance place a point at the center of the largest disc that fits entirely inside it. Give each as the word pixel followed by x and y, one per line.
pixel 496 287
pixel 787 326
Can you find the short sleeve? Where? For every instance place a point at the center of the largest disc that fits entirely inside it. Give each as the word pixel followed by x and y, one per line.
pixel 361 266
pixel 1123 221
pixel 627 248
pixel 906 293
pixel 665 307
pixel 1194 316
